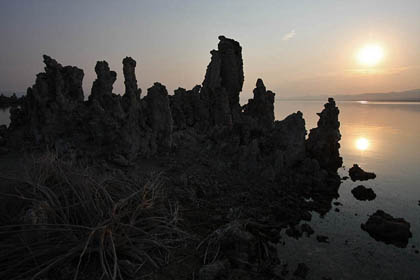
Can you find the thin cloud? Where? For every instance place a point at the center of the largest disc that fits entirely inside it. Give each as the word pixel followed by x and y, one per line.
pixel 289 35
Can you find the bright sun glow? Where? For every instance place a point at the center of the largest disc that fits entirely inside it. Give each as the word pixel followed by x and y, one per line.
pixel 370 55
pixel 362 144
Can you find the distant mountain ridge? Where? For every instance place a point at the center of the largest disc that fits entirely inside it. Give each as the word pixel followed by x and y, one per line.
pixel 408 96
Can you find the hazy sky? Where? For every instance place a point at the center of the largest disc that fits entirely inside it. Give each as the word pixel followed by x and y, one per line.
pixel 297 47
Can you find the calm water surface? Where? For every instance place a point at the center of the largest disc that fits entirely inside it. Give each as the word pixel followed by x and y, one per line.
pixel 380 137
pixel 383 138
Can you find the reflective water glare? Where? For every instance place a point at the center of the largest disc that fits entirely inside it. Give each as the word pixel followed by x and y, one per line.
pixel 383 138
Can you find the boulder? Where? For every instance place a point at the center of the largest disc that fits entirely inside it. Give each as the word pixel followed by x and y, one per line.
pixel 363 193
pixel 358 174
pixel 383 227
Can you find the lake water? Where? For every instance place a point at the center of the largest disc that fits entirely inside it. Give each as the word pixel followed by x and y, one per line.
pixel 390 134
pixel 390 147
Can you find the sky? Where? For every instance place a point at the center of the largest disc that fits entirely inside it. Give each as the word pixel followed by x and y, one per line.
pixel 297 47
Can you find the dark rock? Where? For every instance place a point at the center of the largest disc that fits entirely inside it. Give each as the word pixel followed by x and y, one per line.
pixel 322 239
pixel 294 232
pixel 224 80
pixel 132 92
pixel 337 203
pixel 337 210
pixel 190 109
pixel 383 227
pixel 49 105
pixel 363 193
pixel 261 107
pixel 416 251
pixel 357 173
pixel 297 231
pixel 307 229
pixel 345 178
pixel 10 101
pixel 285 144
pixel 159 117
pixel 301 271
pixel 322 143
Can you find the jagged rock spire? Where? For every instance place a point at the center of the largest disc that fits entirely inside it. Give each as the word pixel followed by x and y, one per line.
pixel 261 107
pixel 104 82
pixel 159 116
pixel 224 80
pixel 130 81
pixel 323 141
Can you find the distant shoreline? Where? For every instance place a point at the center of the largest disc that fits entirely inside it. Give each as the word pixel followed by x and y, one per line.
pixel 355 100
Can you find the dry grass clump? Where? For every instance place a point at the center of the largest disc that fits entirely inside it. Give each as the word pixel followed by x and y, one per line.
pixel 78 224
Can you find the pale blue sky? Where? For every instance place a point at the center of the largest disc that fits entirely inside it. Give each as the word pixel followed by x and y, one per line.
pixel 297 47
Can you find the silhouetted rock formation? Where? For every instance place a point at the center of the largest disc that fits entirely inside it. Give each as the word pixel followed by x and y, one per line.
pixel 261 107
pixel 9 101
pixel 363 193
pixel 323 140
pixel 358 174
pixel 223 82
pixel 383 227
pixel 49 105
pixel 159 117
pixel 206 118
pixel 236 158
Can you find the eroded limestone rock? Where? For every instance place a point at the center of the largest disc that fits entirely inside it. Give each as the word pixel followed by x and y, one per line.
pixel 383 227
pixel 358 174
pixel 261 107
pixel 323 141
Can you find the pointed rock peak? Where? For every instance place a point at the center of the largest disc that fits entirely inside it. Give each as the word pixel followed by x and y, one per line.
pixel 331 103
pixel 50 63
pixel 260 84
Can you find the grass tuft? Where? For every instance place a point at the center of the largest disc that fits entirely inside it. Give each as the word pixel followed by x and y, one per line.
pixel 77 224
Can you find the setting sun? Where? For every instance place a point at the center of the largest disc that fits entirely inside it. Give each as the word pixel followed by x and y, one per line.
pixel 362 144
pixel 370 55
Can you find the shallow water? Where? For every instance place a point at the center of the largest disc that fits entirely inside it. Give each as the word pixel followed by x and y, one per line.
pixel 390 148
